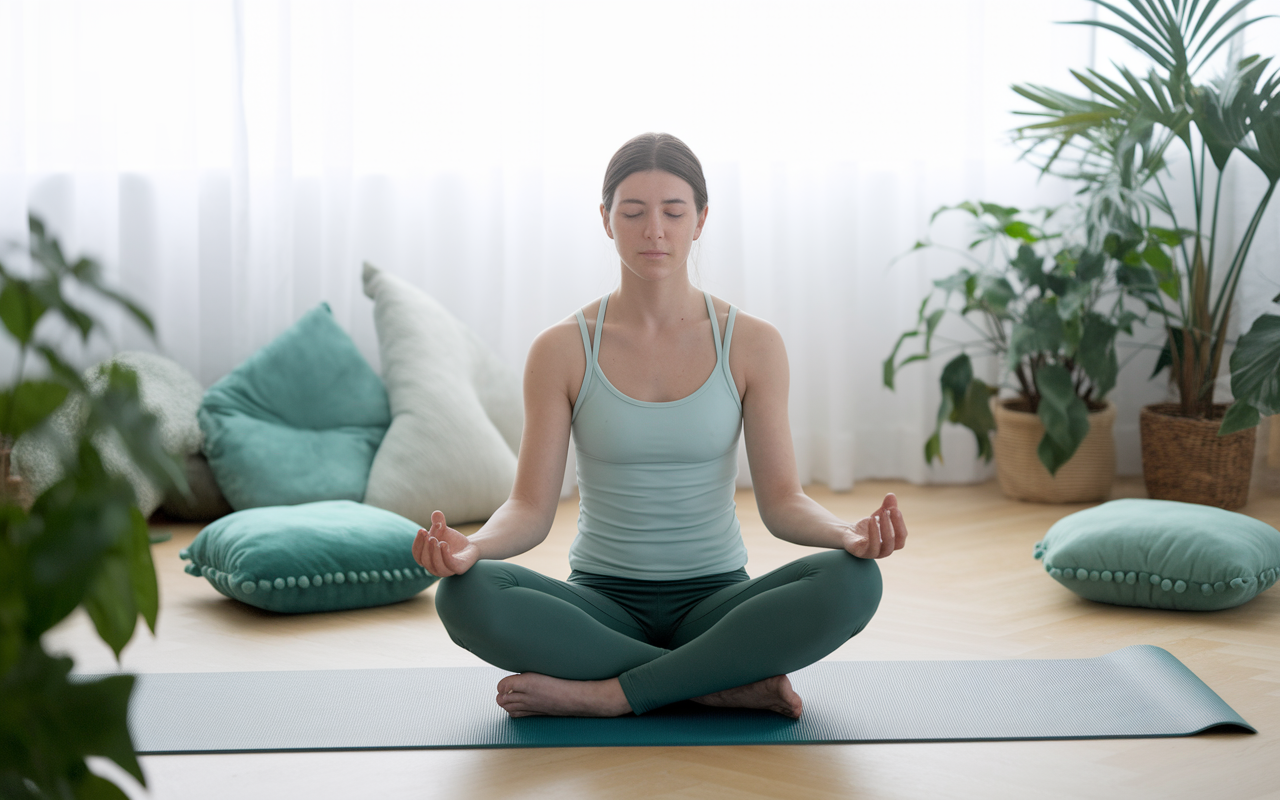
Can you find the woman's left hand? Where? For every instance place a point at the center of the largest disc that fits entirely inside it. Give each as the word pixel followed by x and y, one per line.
pixel 880 534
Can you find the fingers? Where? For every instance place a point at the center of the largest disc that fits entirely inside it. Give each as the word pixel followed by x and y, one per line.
pixel 884 531
pixel 419 547
pixel 899 529
pixel 427 547
pixel 892 529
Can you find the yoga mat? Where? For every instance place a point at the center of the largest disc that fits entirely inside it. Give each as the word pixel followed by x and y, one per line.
pixel 1140 691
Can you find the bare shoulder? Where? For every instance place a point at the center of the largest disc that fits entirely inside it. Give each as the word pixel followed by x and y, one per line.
pixel 756 352
pixel 556 360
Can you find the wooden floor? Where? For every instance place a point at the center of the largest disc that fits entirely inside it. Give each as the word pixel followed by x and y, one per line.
pixel 966 587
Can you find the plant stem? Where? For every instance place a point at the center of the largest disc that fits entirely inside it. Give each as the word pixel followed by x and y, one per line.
pixel 1213 229
pixel 1230 283
pixel 1182 245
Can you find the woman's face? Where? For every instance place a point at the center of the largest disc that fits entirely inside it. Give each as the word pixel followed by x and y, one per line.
pixel 653 223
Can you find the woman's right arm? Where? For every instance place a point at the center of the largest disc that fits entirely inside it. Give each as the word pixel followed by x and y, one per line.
pixel 523 521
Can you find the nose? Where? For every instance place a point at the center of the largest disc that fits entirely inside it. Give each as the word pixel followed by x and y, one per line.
pixel 653 228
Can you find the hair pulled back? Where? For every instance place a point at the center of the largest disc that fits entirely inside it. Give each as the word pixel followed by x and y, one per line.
pixel 650 151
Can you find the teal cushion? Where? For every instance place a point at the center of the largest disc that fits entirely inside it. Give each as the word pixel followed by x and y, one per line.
pixel 299 421
pixel 313 557
pixel 1162 554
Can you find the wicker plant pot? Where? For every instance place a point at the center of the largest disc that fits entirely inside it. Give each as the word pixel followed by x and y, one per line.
pixel 1085 478
pixel 1185 459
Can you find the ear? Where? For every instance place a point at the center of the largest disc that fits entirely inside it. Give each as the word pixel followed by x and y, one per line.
pixel 604 215
pixel 702 220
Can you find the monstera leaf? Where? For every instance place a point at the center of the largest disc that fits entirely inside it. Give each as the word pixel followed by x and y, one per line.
pixel 1255 376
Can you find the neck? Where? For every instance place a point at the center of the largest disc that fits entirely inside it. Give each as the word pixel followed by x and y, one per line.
pixel 656 304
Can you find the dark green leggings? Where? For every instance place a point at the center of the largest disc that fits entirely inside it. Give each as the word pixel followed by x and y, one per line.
pixel 664 640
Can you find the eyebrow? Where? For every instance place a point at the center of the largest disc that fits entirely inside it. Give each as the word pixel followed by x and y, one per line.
pixel 664 202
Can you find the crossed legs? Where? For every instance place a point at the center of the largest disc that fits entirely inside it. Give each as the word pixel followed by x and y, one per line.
pixel 582 654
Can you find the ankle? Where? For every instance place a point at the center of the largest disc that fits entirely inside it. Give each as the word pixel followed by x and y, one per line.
pixel 611 697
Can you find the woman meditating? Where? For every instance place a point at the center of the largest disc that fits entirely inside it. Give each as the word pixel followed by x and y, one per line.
pixel 656 380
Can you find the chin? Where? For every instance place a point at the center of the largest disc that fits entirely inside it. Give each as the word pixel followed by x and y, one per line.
pixel 653 272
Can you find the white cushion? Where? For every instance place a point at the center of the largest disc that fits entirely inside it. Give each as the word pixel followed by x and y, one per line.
pixel 456 411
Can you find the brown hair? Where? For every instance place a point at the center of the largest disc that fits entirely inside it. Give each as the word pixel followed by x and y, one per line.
pixel 650 151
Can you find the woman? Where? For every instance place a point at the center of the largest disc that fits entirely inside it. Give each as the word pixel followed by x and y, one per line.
pixel 658 607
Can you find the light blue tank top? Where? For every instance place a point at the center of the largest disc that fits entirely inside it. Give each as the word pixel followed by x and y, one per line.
pixel 656 480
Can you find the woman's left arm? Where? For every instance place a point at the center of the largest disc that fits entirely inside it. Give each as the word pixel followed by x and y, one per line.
pixel 759 356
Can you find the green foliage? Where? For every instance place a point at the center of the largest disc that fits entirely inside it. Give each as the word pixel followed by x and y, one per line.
pixel 83 542
pixel 1255 375
pixel 1046 306
pixel 1120 141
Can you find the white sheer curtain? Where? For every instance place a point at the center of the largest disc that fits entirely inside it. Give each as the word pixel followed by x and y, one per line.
pixel 233 163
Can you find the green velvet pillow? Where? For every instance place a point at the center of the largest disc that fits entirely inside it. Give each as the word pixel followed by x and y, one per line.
pixel 299 421
pixel 323 556
pixel 1162 554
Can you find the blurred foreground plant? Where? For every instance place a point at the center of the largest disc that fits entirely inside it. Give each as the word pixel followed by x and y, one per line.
pixel 82 542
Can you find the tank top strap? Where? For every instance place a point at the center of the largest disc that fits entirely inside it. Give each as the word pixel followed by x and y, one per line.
pixel 595 346
pixel 715 325
pixel 586 374
pixel 728 340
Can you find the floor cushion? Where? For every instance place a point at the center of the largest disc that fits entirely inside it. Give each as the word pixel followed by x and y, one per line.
pixel 456 411
pixel 324 556
pixel 206 501
pixel 165 388
pixel 1162 554
pixel 299 421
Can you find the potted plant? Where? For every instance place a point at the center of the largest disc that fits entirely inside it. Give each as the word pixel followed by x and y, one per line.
pixel 1043 304
pixel 81 543
pixel 1121 141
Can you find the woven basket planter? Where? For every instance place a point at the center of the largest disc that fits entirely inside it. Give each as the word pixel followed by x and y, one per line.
pixel 1185 459
pixel 1085 478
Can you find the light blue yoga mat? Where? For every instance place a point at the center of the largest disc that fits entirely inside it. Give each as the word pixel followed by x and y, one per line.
pixel 1140 691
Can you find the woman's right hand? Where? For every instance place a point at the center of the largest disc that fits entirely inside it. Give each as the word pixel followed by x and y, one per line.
pixel 442 550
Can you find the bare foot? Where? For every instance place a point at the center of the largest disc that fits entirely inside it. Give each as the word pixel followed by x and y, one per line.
pixel 529 694
pixel 771 694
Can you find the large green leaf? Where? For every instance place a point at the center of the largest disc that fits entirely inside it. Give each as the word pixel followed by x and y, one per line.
pixel 1096 354
pixel 20 309
pixel 1223 109
pixel 995 294
pixel 13 605
pixel 1029 267
pixel 28 404
pixel 1091 266
pixel 49 721
pixel 955 379
pixel 109 598
pixel 974 412
pixel 1040 331
pixel 81 517
pixel 956 376
pixel 1262 146
pixel 1255 375
pixel 1064 414
pixel 49 291
pixel 142 571
pixel 119 406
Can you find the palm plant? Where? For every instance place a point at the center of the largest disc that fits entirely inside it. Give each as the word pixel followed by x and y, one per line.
pixel 1120 142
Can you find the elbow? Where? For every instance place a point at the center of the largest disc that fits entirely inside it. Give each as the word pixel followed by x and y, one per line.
pixel 777 507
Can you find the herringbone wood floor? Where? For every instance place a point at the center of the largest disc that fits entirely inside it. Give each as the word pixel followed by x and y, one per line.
pixel 965 587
